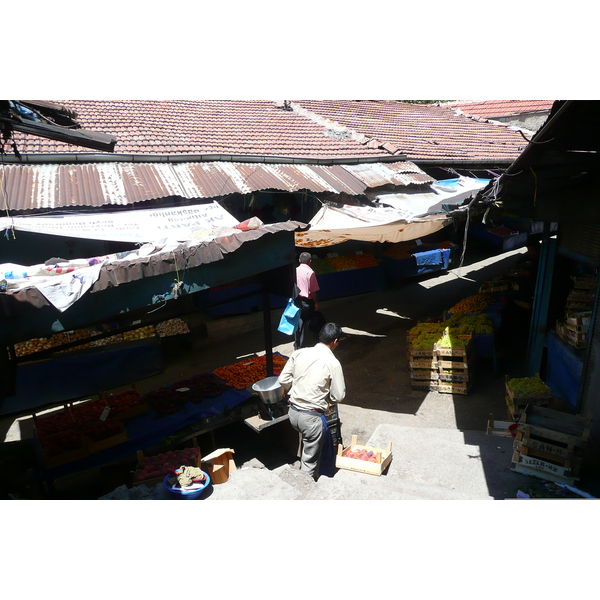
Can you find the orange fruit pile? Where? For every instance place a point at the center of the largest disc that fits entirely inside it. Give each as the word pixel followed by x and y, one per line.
pixel 248 371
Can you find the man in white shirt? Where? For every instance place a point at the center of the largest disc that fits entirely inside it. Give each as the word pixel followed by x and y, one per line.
pixel 315 380
pixel 306 300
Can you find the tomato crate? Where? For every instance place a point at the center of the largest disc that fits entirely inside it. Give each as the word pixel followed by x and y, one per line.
pixel 151 470
pixel 55 421
pixel 88 411
pixel 380 458
pixel 424 386
pixel 61 448
pixel 127 404
pixel 101 435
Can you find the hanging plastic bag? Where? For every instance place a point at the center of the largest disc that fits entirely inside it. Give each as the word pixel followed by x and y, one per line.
pixel 289 319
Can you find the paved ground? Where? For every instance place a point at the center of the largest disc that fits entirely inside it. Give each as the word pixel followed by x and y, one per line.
pixel 440 449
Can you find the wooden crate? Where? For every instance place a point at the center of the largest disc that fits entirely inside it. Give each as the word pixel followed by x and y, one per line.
pixel 383 459
pixel 454 377
pixel 151 482
pixel 423 363
pixel 457 350
pixel 421 352
pixel 528 465
pixel 549 424
pixel 585 282
pixel 463 387
pixel 127 404
pixel 54 421
pixel 430 375
pixel 548 444
pixel 118 437
pixel 52 459
pixel 424 386
pixel 499 428
pixel 520 398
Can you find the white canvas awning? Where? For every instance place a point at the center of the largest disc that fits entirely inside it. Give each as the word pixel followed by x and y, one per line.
pixel 393 218
pixel 184 223
pixel 332 226
pixel 418 203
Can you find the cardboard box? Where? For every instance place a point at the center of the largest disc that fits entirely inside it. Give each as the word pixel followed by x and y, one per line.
pixel 382 458
pixel 219 464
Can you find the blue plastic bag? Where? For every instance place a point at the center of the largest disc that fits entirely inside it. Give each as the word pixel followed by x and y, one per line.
pixel 289 319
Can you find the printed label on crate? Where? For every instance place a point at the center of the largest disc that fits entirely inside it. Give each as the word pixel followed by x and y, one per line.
pixel 105 413
pixel 542 465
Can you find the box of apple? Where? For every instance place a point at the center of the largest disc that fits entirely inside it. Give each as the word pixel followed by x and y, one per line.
pixel 151 470
pixel 363 459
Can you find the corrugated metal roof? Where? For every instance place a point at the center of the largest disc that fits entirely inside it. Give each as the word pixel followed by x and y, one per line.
pixel 52 186
pixel 378 174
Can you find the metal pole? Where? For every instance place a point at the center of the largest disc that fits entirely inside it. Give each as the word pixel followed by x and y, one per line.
pixel 267 329
pixel 541 300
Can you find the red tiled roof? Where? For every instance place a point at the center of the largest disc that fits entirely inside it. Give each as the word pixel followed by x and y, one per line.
pixel 488 109
pixel 239 127
pixel 422 131
pixel 314 128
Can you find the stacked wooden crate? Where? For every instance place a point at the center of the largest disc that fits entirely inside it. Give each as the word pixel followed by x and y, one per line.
pixel 517 400
pixel 549 443
pixel 574 329
pixel 439 368
pixel 455 367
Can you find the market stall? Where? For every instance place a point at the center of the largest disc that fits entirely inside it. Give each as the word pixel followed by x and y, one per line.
pixel 106 428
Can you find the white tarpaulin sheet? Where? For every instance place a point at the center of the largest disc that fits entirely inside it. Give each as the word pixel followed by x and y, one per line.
pixel 182 224
pixel 332 226
pixel 418 204
pixel 395 218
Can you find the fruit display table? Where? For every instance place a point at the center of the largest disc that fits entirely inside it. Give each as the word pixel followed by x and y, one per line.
pixel 65 377
pixel 421 263
pixel 188 408
pixel 339 284
pixel 503 238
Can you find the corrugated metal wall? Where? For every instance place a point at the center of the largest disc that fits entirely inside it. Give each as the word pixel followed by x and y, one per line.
pixel 582 239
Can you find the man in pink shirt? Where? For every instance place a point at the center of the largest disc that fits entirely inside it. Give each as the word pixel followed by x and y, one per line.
pixel 306 299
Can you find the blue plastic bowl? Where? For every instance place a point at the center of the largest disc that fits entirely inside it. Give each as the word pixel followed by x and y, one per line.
pixel 186 494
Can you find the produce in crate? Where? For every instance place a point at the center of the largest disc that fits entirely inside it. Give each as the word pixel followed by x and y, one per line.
pixel 88 411
pixel 201 387
pixel 165 401
pixel 246 372
pixel 360 454
pixel 61 443
pixel 53 423
pixel 124 401
pixel 102 430
pixel 471 304
pixel 470 324
pixel 525 386
pixel 172 327
pixel 151 467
